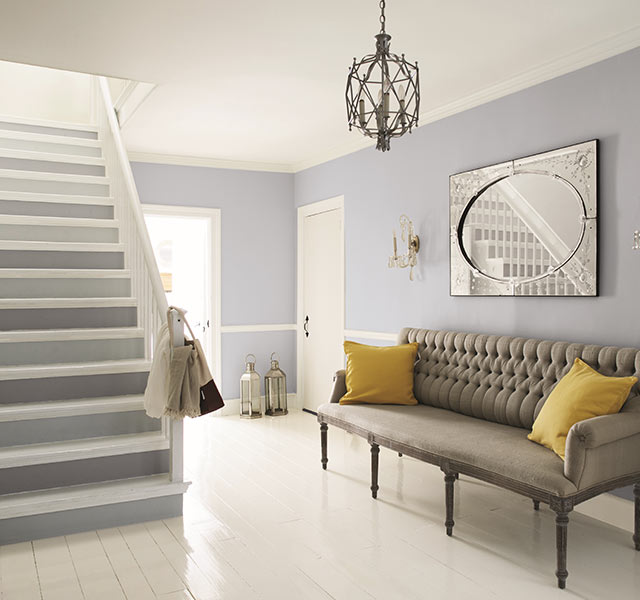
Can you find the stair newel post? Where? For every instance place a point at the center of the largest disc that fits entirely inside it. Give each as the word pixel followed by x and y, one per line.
pixel 176 430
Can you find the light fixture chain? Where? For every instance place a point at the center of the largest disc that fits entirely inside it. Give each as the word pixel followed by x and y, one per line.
pixel 382 17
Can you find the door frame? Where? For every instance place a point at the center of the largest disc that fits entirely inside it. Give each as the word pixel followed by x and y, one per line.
pixel 215 215
pixel 307 210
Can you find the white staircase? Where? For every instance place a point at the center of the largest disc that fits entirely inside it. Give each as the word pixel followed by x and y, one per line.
pixel 80 301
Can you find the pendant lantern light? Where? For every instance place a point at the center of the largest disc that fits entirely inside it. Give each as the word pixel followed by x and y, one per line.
pixel 383 93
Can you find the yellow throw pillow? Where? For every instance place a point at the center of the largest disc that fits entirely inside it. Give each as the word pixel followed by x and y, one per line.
pixel 581 394
pixel 379 375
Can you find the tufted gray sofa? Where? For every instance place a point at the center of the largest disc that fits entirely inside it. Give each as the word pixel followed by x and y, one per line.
pixel 478 397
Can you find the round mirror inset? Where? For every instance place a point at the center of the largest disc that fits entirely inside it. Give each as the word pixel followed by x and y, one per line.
pixel 522 227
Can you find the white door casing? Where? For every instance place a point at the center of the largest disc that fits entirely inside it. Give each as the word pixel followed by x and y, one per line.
pixel 321 293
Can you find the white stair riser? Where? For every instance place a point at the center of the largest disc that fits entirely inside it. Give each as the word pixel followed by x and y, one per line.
pixel 45 431
pixel 53 187
pixel 69 351
pixel 44 166
pixel 70 388
pixel 54 209
pixel 60 131
pixel 54 148
pixel 32 259
pixel 57 233
pixel 67 318
pixel 78 472
pixel 64 288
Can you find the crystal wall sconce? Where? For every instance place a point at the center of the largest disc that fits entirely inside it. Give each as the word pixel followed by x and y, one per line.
pixel 636 240
pixel 410 259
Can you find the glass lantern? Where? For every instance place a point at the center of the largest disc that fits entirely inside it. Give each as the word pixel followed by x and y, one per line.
pixel 250 390
pixel 275 390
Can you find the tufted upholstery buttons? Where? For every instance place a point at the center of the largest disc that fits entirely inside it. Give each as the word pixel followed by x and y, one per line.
pixel 500 378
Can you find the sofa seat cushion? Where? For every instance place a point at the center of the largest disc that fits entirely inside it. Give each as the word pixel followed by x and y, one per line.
pixel 495 448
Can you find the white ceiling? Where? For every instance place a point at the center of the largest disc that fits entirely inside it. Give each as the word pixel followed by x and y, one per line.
pixel 262 81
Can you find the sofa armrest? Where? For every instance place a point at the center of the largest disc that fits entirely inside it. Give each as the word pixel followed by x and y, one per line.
pixel 339 386
pixel 603 448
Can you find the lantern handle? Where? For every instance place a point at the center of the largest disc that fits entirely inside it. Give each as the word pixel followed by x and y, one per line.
pixel 274 354
pixel 246 358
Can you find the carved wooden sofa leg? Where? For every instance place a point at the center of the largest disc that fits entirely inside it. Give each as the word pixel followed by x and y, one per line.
pixel 536 505
pixel 636 534
pixel 375 452
pixel 323 444
pixel 449 480
pixel 562 510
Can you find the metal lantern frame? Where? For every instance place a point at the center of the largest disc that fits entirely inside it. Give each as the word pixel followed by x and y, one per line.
pixel 275 400
pixel 250 377
pixel 383 92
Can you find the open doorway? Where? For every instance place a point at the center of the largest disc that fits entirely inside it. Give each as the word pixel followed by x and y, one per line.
pixel 186 244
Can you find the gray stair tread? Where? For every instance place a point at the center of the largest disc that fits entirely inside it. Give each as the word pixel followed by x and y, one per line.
pixel 36 303
pixel 55 452
pixel 71 370
pixel 27 411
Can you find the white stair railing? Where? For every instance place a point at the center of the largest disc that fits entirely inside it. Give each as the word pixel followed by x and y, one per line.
pixel 146 284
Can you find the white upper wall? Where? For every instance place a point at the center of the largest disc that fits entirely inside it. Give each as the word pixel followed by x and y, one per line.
pixel 40 93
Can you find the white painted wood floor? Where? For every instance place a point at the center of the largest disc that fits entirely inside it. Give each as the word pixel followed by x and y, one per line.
pixel 262 520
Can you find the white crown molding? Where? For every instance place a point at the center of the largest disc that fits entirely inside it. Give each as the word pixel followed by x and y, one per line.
pixel 258 328
pixel 370 335
pixel 583 57
pixel 202 161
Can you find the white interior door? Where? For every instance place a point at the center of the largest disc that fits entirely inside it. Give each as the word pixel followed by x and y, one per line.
pixel 322 304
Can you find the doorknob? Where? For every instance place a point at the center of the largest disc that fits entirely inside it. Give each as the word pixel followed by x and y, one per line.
pixel 306 323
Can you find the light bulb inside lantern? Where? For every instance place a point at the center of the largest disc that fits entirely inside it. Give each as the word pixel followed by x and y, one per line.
pixel 403 115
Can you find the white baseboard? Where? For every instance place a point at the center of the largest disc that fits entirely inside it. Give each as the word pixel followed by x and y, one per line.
pixel 232 406
pixel 609 509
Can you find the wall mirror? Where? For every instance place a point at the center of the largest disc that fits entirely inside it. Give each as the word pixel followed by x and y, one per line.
pixel 526 227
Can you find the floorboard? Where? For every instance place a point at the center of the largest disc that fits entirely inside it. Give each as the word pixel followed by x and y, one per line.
pixel 263 521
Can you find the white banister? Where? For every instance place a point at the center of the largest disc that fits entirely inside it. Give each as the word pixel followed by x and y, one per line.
pixel 132 194
pixel 146 284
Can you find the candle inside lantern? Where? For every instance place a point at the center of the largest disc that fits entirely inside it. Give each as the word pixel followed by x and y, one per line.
pixel 362 120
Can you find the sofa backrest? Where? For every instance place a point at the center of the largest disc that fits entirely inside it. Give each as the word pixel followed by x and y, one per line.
pixel 504 379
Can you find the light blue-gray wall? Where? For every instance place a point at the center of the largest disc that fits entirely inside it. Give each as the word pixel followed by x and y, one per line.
pixel 600 101
pixel 258 253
